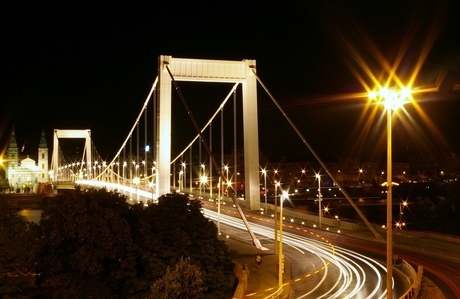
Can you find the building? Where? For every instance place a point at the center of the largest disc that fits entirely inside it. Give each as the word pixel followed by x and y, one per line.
pixel 24 174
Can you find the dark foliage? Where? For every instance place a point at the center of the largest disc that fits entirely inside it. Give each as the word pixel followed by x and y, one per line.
pixel 184 282
pixel 95 244
pixel 18 245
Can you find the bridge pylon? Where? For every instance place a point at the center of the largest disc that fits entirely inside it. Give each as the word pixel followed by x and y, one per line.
pixel 214 71
pixel 55 162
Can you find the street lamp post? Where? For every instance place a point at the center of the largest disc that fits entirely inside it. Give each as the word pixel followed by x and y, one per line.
pixel 392 100
pixel 151 186
pixel 389 209
pixel 280 255
pixel 136 182
pixel 218 206
pixel 227 183
pixel 203 180
pixel 274 218
pixel 265 188
pixel 320 212
pixel 184 177
pixel 338 223
pixel 181 177
pixel 226 172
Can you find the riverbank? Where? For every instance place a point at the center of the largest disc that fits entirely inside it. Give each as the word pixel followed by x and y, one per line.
pixel 23 200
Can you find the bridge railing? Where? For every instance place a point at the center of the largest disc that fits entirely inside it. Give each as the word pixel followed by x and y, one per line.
pixel 414 290
pixel 277 294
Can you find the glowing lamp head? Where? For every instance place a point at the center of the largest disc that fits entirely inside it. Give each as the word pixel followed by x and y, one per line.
pixel 391 99
pixel 285 194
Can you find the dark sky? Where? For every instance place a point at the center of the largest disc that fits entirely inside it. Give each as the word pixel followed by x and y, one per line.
pixel 73 65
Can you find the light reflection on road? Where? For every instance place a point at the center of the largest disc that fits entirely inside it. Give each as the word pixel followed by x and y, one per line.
pixel 343 273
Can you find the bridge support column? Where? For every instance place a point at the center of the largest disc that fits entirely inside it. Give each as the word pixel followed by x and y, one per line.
pixel 163 144
pixel 251 138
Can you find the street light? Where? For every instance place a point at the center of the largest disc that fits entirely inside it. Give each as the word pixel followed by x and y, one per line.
pixel 185 176
pixel 264 172
pixel 280 255
pixel 274 216
pixel 226 172
pixel 151 185
pixel 392 101
pixel 136 182
pixel 338 223
pixel 202 177
pixel 319 200
pixel 203 180
pixel 181 177
pixel 401 222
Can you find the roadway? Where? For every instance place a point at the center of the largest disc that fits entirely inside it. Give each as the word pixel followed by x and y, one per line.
pixel 319 269
pixel 353 257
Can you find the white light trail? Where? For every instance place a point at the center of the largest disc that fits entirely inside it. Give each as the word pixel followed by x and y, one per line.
pixel 344 273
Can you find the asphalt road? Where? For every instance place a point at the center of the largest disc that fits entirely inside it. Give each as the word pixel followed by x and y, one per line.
pixel 319 268
pixel 440 257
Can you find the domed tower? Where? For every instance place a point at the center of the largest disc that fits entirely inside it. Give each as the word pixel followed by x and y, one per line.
pixel 43 159
pixel 12 158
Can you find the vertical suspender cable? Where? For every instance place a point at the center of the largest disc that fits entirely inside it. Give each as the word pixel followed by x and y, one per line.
pixel 155 141
pixel 210 161
pixel 191 172
pixel 145 146
pixel 199 153
pixel 222 143
pixel 235 151
pixel 136 168
pixel 130 165
pixel 123 169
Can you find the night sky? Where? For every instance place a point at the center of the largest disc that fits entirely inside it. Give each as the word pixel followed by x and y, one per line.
pixel 90 66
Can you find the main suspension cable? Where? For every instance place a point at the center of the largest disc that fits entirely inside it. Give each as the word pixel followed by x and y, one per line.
pixel 304 140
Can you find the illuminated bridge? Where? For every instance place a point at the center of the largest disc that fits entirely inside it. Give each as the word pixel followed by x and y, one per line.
pixel 144 167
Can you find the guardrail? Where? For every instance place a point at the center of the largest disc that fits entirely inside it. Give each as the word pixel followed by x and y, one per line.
pixel 413 291
pixel 277 294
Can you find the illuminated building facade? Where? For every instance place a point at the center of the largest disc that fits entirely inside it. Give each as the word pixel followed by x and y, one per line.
pixel 25 174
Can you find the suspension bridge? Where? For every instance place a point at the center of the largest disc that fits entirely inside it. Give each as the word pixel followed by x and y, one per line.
pixel 144 167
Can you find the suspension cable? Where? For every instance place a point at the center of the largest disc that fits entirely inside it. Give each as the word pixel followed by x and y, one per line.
pixel 135 123
pixel 208 123
pixel 304 140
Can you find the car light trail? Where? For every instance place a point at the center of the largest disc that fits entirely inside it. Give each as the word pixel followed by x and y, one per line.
pixel 341 273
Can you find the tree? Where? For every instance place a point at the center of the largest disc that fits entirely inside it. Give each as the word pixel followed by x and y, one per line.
pixel 176 227
pixel 95 244
pixel 83 242
pixel 18 244
pixel 183 282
